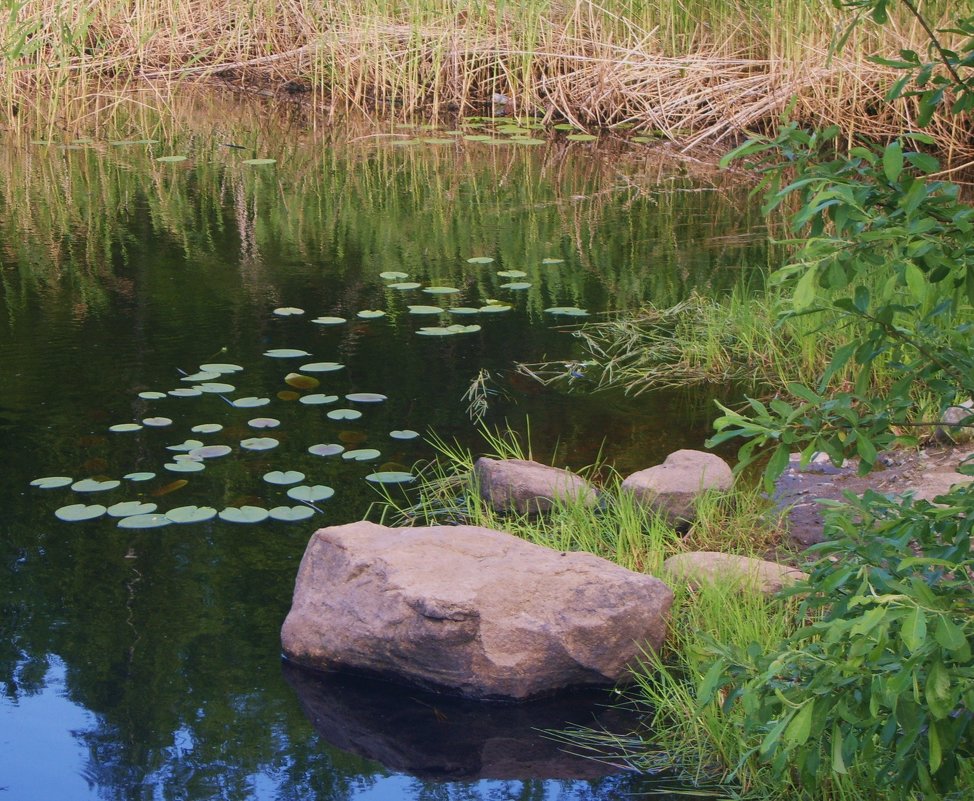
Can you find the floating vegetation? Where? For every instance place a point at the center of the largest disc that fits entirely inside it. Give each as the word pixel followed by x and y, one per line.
pixel 150 395
pixel 344 414
pixel 366 397
pixel 184 467
pixel 191 514
pixel 258 162
pixel 171 159
pixel 130 508
pixel 310 494
pixel 405 285
pixel 464 310
pixel 250 402
pixel 371 314
pixel 221 368
pixel 481 259
pixel 210 452
pixel 299 381
pixel 286 353
pixel 441 290
pixel 552 261
pixel 186 446
pixel 329 320
pixel 318 399
pixel 284 477
pixel 361 455
pixel 449 330
pixel 425 310
pixel 157 422
pixel 288 395
pixel 567 311
pixel 288 311
pixel 244 514
pixel 323 449
pixel 216 387
pixel 51 482
pixel 582 137
pixel 123 428
pixel 140 476
pixel 321 367
pixel 202 375
pixel 78 512
pixel 495 308
pixel 404 434
pixel 390 477
pixel 207 428
pixel 512 274
pixel 259 443
pixel 291 514
pixel 393 275
pixel 95 485
pixel 185 392
pixel 516 285
pixel 144 521
pixel 263 422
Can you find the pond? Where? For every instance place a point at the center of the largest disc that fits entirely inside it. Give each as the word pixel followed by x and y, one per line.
pixel 144 663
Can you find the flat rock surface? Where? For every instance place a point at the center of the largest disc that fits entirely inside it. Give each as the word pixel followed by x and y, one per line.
pixel 469 610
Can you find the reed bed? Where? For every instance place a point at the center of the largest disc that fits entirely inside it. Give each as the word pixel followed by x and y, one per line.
pixel 696 72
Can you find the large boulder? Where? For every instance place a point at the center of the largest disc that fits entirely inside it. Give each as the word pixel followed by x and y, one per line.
pixel 672 488
pixel 708 567
pixel 519 485
pixel 469 610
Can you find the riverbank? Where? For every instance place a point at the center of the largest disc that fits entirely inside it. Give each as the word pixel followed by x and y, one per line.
pixel 706 73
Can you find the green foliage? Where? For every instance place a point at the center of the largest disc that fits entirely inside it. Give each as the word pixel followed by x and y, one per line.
pixel 879 681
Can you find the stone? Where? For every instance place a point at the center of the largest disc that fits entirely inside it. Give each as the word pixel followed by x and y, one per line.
pixel 526 487
pixel 469 610
pixel 951 428
pixel 672 488
pixel 706 567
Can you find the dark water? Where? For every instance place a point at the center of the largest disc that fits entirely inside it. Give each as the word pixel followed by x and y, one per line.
pixel 144 664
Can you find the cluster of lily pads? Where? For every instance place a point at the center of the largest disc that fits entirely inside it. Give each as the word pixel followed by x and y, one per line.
pixel 501 130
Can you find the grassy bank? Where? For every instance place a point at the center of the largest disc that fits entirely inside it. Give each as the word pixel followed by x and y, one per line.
pixel 694 71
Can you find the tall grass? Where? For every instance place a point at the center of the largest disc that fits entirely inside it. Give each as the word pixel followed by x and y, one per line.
pixel 698 71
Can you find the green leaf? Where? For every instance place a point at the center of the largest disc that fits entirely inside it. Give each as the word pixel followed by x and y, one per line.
pixel 801 724
pixel 893 161
pixel 937 691
pixel 916 281
pixel 838 762
pixel 914 629
pixel 949 635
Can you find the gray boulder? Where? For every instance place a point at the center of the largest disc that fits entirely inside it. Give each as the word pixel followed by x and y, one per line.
pixel 707 567
pixel 957 425
pixel 519 485
pixel 469 610
pixel 672 488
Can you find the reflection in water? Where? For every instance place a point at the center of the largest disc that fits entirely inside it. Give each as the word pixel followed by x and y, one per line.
pixel 116 270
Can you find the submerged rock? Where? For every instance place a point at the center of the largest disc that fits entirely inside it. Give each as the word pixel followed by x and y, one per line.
pixel 707 567
pixel 469 610
pixel 519 485
pixel 672 488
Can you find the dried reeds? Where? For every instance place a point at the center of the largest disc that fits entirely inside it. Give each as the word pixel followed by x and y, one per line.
pixel 694 72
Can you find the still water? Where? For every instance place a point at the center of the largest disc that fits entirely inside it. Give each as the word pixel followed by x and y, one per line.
pixel 145 663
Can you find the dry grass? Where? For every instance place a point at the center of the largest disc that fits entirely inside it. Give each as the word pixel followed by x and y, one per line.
pixel 701 71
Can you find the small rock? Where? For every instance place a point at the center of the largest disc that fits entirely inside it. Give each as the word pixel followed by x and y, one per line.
pixel 951 421
pixel 672 488
pixel 699 567
pixel 519 485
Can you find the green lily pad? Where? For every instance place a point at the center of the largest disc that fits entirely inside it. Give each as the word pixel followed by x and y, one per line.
pixel 144 521
pixel 317 399
pixel 322 367
pixel 366 397
pixel 581 137
pixel 393 275
pixel 390 477
pixel 283 477
pixel 495 308
pixel 221 368
pixel 480 260
pixel 512 273
pixel 51 482
pixel 344 414
pixel 140 476
pixel 258 162
pixel 371 314
pixel 449 330
pixel 286 353
pixel 123 428
pixel 525 140
pixel 184 467
pixel 244 514
pixel 124 142
pixel 171 159
pixel 291 514
pixel 191 514
pixel 157 422
pixel 210 452
pixel 185 446
pixel 130 508
pixel 185 392
pixel 78 512
pixel 95 485
pixel 432 140
pixel 478 138
pixel 207 428
pixel 405 285
pixel 310 494
pixel 565 126
pixel 323 449
pixel 361 455
pixel 425 310
pixel 405 433
pixel 516 285
pixel 259 443
pixel 441 290
pixel 464 310
pixel 202 375
pixel 329 320
pixel 288 311
pixel 216 387
pixel 567 311
pixel 150 395
pixel 250 402
pixel 264 422
pixel 552 261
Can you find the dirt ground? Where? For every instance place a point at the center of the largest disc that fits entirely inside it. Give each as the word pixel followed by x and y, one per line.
pixel 926 473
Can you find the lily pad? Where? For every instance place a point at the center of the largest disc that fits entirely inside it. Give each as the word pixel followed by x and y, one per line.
pixel 329 320
pixel 286 353
pixel 288 395
pixel 140 476
pixel 202 375
pixel 371 314
pixel 264 422
pixel 53 482
pixel 405 433
pixel 144 521
pixel 495 308
pixel 317 399
pixel 244 514
pixel 323 449
pixel 95 485
pixel 567 311
pixel 191 514
pixel 185 392
pixel 516 285
pixel 344 414
pixel 151 395
pixel 525 140
pixel 130 508
pixel 581 137
pixel 221 368
pixel 322 367
pixel 122 428
pixel 171 159
pixel 157 422
pixel 299 381
pixel 480 260
pixel 366 397
pixel 552 261
pixel 124 142
pixel 426 310
pixel 216 387
pixel 288 311
pixel 184 467
pixel 78 512
pixel 512 273
pixel 478 138
pixel 393 275
pixel 185 446
pixel 441 290
pixel 405 285
pixel 259 443
pixel 310 494
pixel 390 477
pixel 207 428
pixel 210 452
pixel 258 162
pixel 283 477
pixel 449 330
pixel 464 310
pixel 361 455
pixel 291 514
pixel 250 402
